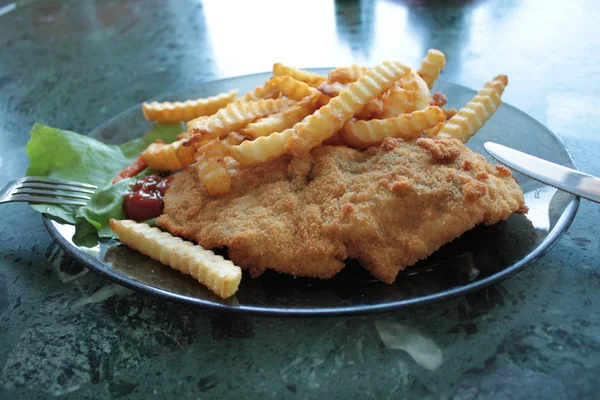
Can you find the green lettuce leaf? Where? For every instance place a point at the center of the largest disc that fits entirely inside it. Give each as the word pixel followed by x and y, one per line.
pixel 54 153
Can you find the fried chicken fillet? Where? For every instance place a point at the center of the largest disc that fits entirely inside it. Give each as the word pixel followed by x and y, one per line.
pixel 387 207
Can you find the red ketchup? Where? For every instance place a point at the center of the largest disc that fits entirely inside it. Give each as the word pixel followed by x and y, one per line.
pixel 146 199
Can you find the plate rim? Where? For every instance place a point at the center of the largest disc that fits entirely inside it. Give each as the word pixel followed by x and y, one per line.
pixel 96 265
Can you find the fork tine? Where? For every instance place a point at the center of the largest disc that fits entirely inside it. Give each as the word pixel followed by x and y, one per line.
pixel 45 200
pixel 38 179
pixel 32 185
pixel 40 192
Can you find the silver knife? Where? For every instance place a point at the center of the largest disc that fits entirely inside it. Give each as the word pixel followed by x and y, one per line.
pixel 567 179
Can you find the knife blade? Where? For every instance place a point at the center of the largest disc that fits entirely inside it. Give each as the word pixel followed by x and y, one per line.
pixel 564 178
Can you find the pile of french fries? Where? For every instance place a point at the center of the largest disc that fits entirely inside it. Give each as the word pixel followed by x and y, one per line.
pixel 295 111
pixel 292 113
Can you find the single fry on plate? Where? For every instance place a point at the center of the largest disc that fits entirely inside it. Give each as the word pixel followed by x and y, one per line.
pixel 364 134
pixel 167 112
pixel 221 276
pixel 262 149
pixel 431 66
pixel 469 119
pixel 310 78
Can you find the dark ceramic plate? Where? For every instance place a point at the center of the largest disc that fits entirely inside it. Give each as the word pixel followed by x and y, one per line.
pixel 478 258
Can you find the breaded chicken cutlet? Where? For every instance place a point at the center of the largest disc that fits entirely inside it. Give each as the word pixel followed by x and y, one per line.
pixel 387 207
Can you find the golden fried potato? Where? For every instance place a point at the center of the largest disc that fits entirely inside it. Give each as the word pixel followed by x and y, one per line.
pixel 235 116
pixel 331 89
pixel 413 82
pixel 284 119
pixel 346 74
pixel 232 139
pixel 450 112
pixel 169 157
pixel 431 66
pixel 264 92
pixel 370 110
pixel 475 114
pixel 221 276
pixel 435 130
pixel 406 95
pixel 397 101
pixel 262 149
pixel 291 87
pixel 167 112
pixel 314 129
pixel 212 169
pixel 363 134
pixel 313 80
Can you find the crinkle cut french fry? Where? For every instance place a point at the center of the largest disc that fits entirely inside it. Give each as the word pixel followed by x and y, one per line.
pixel 212 169
pixel 413 82
pixel 167 112
pixel 363 134
pixel 431 66
pixel 221 276
pixel 232 139
pixel 292 88
pixel 314 129
pixel 262 149
pixel 450 112
pixel 169 157
pixel 313 80
pixel 407 95
pixel 435 130
pixel 331 89
pixel 469 119
pixel 346 74
pixel 269 124
pixel 264 92
pixel 235 116
pixel 283 120
pixel 370 110
pixel 397 101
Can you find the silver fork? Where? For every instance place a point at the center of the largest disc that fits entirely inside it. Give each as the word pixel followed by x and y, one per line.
pixel 33 189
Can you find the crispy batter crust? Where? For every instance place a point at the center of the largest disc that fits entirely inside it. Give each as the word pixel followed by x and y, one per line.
pixel 388 207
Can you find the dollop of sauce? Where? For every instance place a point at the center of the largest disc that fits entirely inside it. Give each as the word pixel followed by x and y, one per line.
pixel 146 198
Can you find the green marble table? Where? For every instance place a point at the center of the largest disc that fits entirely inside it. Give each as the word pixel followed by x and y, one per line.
pixel 65 331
